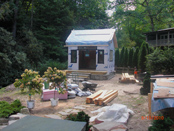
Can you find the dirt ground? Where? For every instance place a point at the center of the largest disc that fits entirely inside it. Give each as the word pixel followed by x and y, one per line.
pixel 136 102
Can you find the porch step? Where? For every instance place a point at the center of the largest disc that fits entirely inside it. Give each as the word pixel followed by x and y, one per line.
pixel 78 77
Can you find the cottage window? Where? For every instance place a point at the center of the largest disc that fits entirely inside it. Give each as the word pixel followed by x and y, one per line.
pixel 111 55
pixel 101 56
pixel 73 56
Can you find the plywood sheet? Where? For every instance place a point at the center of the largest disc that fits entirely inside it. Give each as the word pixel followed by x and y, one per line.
pixel 164 93
pixel 165 82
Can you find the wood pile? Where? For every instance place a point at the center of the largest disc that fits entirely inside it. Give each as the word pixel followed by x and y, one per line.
pixel 126 78
pixel 102 97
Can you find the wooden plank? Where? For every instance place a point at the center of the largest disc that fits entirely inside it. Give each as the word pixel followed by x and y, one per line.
pixel 150 103
pixel 151 87
pixel 100 102
pixel 89 99
pixel 105 102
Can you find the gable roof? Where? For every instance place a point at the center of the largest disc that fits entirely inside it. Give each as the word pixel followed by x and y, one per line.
pixel 100 37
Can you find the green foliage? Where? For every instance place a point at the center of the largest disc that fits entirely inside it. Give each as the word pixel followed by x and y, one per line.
pixel 56 77
pixel 117 60
pixel 11 61
pixel 81 116
pixel 42 67
pixel 125 58
pixel 142 57
pixel 31 81
pixel 146 84
pixel 162 125
pixel 122 57
pixel 135 58
pixel 130 57
pixel 8 109
pixel 156 61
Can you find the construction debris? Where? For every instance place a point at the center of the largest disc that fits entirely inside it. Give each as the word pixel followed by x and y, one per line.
pixel 102 97
pixel 126 78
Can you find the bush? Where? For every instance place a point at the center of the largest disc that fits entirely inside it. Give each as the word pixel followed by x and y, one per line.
pixel 161 61
pixel 7 109
pixel 81 116
pixel 51 63
pixel 161 125
pixel 146 85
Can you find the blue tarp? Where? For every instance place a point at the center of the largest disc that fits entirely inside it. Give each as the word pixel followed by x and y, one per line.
pixel 91 37
pixel 161 103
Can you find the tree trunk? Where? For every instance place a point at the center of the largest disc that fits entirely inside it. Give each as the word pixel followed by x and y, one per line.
pixel 150 16
pixel 15 18
pixel 31 16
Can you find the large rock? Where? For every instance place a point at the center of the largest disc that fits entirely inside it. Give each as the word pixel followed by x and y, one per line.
pixel 25 111
pixel 3 121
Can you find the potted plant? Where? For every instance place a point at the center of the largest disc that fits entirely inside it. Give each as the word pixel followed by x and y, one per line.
pixel 31 81
pixel 58 80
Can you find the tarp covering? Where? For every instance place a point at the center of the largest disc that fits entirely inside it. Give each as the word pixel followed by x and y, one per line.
pixel 91 37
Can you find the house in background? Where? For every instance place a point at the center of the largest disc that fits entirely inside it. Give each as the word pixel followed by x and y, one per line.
pixel 164 37
pixel 92 50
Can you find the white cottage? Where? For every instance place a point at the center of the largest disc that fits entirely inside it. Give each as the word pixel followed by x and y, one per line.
pixel 92 50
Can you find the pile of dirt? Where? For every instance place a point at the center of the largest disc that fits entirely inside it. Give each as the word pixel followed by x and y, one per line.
pixel 10 88
pixel 7 99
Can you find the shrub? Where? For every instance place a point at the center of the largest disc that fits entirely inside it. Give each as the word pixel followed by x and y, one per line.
pixel 146 85
pixel 81 116
pixel 161 61
pixel 161 125
pixel 7 109
pixel 51 63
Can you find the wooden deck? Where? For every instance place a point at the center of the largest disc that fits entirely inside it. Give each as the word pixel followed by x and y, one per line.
pixel 93 72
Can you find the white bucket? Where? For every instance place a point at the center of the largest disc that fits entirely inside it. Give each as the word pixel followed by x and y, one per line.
pixel 30 104
pixel 54 102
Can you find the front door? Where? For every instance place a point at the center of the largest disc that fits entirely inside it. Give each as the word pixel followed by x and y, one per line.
pixel 87 59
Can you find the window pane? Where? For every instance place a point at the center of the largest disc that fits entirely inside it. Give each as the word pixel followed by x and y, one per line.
pixel 73 56
pixel 111 55
pixel 101 56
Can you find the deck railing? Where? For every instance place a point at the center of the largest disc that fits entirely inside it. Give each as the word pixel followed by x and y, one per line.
pixel 161 42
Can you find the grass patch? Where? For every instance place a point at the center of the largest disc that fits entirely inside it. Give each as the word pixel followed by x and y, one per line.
pixel 2 90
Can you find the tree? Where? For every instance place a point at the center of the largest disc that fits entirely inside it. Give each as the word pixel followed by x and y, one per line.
pixel 130 57
pixel 142 57
pixel 126 58
pixel 122 57
pixel 117 60
pixel 135 58
pixel 11 61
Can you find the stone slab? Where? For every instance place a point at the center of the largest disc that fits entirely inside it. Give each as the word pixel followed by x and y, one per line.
pixel 11 121
pixel 1 127
pixel 68 110
pixel 53 116
pixel 63 113
pixel 75 111
pixel 79 107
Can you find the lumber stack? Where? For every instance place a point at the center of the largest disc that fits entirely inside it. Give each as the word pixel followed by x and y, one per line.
pixel 126 78
pixel 102 97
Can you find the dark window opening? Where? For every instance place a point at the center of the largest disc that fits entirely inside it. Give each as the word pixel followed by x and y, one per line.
pixel 73 56
pixel 101 56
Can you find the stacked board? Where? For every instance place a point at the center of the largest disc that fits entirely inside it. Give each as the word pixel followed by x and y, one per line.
pixel 101 97
pixel 126 78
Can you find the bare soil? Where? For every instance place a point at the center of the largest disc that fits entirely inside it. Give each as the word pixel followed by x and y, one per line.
pixel 133 100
